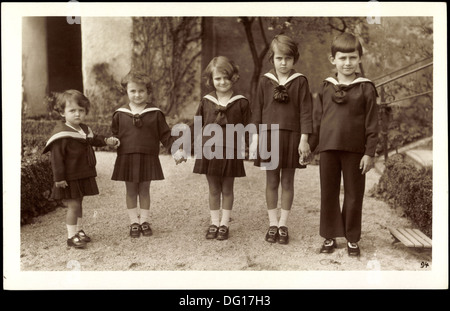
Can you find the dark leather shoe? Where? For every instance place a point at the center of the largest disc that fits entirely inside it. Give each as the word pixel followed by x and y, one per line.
pixel 76 242
pixel 328 246
pixel 272 234
pixel 145 229
pixel 135 230
pixel 83 236
pixel 212 232
pixel 223 233
pixel 283 235
pixel 353 249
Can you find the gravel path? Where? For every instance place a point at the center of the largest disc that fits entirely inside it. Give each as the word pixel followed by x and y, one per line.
pixel 180 217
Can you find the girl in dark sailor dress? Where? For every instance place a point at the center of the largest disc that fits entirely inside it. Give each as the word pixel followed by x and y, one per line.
pixel 222 107
pixel 140 126
pixel 73 161
pixel 283 99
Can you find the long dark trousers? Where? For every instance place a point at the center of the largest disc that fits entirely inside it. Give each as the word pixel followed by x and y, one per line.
pixel 335 222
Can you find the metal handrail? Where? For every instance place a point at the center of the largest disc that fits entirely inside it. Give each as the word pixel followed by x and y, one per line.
pixel 404 74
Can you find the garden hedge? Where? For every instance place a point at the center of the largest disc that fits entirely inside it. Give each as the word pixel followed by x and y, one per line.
pixel 404 186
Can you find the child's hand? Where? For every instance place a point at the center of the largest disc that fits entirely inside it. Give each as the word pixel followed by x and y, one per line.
pixel 304 149
pixel 366 164
pixel 180 156
pixel 61 184
pixel 113 141
pixel 253 148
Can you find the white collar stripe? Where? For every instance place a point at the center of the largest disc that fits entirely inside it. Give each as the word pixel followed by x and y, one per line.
pixel 216 101
pixel 357 80
pixel 63 135
pixel 126 110
pixel 272 76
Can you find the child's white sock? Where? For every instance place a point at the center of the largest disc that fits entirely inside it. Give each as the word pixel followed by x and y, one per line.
pixel 215 217
pixel 226 213
pixel 273 217
pixel 283 217
pixel 145 215
pixel 134 215
pixel 79 224
pixel 71 230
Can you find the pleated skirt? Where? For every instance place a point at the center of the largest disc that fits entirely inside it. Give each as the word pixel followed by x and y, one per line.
pixel 220 167
pixel 137 167
pixel 288 156
pixel 76 189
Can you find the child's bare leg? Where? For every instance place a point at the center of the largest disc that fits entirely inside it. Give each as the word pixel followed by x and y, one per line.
pixel 144 201
pixel 227 199
pixel 287 194
pixel 215 190
pixel 132 190
pixel 73 211
pixel 272 185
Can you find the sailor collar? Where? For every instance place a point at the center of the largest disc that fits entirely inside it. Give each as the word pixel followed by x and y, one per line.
pixel 67 131
pixel 127 110
pixel 271 76
pixel 216 101
pixel 356 81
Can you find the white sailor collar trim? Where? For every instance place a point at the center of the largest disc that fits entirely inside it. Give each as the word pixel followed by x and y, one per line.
pixel 274 78
pixel 128 111
pixel 70 132
pixel 216 101
pixel 357 80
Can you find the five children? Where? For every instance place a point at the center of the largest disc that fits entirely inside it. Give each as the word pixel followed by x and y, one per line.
pixel 341 126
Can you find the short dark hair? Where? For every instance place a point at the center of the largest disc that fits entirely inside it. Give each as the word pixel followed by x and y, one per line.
pixel 73 96
pixel 137 76
pixel 346 43
pixel 223 65
pixel 286 45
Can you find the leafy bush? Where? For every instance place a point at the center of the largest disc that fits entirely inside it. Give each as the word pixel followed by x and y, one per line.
pixel 404 186
pixel 36 185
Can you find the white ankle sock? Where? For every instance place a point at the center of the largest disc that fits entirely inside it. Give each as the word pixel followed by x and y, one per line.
pixel 215 217
pixel 79 224
pixel 283 217
pixel 273 217
pixel 145 215
pixel 133 214
pixel 225 217
pixel 71 230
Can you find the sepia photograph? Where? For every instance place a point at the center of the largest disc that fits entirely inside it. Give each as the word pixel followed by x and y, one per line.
pixel 246 145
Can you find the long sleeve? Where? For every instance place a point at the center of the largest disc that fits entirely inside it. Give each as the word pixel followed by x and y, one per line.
pixel 165 134
pixel 371 122
pixel 256 105
pixel 306 107
pixel 57 156
pixel 115 125
pixel 317 118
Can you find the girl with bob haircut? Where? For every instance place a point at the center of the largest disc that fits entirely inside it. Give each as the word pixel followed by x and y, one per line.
pixel 283 100
pixel 219 108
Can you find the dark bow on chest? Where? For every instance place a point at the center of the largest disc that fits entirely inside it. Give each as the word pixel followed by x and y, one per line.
pixel 221 117
pixel 137 121
pixel 340 92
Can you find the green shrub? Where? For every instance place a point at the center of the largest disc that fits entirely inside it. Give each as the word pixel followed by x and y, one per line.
pixel 404 186
pixel 36 185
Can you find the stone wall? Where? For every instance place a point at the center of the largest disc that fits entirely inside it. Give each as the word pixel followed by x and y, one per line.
pixel 34 65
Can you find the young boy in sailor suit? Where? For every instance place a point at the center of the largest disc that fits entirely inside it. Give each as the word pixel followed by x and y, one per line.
pixel 73 161
pixel 346 126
